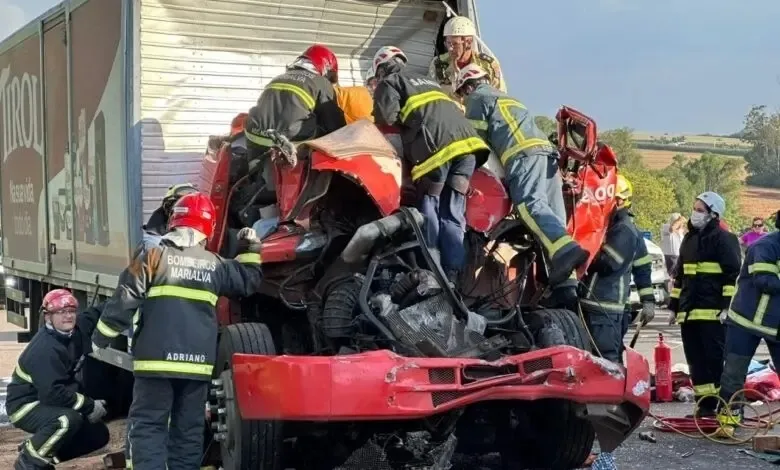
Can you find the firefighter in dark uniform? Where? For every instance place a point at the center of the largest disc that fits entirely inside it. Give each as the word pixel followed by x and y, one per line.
pixel 178 283
pixel 44 397
pixel 157 225
pixel 439 142
pixel 707 270
pixel 754 314
pixel 607 282
pixel 531 163
pixel 300 104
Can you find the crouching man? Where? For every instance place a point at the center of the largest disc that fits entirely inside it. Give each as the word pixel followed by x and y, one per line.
pixel 44 396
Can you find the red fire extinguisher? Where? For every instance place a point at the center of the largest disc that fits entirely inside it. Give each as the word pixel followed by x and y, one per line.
pixel 663 370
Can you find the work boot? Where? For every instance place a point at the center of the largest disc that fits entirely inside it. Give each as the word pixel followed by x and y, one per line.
pixel 25 461
pixel 562 266
pixel 729 419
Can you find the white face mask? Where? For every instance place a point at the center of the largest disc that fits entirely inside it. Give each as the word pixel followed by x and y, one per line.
pixel 700 219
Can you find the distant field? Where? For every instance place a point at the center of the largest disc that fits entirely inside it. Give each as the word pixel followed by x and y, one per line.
pixel 660 159
pixel 704 140
pixel 760 201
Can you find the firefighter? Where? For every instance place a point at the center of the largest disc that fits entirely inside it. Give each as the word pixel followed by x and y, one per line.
pixel 300 104
pixel 460 38
pixel 531 164
pixel 44 397
pixel 440 144
pixel 754 314
pixel 707 270
pixel 157 225
pixel 606 284
pixel 178 283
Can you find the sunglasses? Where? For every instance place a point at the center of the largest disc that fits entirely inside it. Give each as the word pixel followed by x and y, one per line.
pixel 758 225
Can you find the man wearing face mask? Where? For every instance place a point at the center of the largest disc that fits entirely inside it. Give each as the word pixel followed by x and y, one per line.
pixel 707 272
pixel 44 397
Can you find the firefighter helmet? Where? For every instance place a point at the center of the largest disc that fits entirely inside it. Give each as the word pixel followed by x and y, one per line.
pixel 459 26
pixel 384 55
pixel 625 190
pixel 714 202
pixel 174 193
pixel 195 211
pixel 58 300
pixel 324 61
pixel 469 72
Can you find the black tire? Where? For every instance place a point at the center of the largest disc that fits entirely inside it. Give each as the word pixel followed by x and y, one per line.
pixel 550 434
pixel 251 445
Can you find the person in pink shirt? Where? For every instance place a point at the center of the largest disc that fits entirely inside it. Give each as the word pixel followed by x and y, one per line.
pixel 756 232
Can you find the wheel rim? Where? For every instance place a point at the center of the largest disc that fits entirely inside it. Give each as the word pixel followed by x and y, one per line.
pixel 230 446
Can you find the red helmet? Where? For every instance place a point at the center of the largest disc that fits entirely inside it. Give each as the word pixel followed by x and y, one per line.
pixel 58 300
pixel 324 61
pixel 196 211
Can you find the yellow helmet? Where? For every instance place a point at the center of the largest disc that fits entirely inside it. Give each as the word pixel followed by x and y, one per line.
pixel 625 190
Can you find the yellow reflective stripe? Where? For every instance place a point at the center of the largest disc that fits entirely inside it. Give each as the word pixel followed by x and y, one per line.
pixel 550 246
pixel 169 366
pixel 763 303
pixel 643 261
pixel 726 418
pixel 614 254
pixel 601 305
pixel 763 268
pixel 106 330
pixel 521 143
pixel 22 374
pixel 676 292
pixel 706 389
pixel 46 447
pixel 689 269
pixel 702 314
pixel 304 95
pixel 421 99
pixel 708 267
pixel 479 124
pixel 183 293
pixel 259 140
pixel 79 401
pixel 751 325
pixel 454 149
pixel 728 291
pixel 22 412
pixel 646 291
pixel 249 258
pixel 34 453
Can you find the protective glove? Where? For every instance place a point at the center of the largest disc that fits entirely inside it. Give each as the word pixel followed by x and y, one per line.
pixel 248 234
pixel 98 412
pixel 722 315
pixel 672 318
pixel 647 313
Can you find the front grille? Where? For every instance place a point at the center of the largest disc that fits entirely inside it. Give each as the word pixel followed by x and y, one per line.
pixel 441 376
pixel 440 398
pixel 534 365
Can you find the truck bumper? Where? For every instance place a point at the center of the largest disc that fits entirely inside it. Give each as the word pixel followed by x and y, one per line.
pixel 381 385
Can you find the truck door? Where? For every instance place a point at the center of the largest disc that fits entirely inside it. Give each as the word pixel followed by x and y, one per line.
pixel 58 149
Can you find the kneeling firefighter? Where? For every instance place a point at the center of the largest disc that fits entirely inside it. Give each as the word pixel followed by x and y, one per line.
pixel 44 397
pixel 607 282
pixel 439 142
pixel 754 314
pixel 707 270
pixel 177 283
pixel 157 225
pixel 531 163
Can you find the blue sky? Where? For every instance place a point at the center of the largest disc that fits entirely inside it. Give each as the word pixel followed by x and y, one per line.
pixel 654 65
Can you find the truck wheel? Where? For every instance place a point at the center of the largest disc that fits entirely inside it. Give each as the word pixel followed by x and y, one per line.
pixel 548 433
pixel 244 445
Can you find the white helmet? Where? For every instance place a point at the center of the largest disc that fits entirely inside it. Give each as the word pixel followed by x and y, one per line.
pixel 384 55
pixel 469 72
pixel 714 202
pixel 459 26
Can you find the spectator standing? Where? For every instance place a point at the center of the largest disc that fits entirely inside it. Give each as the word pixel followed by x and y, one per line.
pixel 757 231
pixel 672 234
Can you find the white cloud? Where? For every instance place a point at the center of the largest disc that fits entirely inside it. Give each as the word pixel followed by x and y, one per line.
pixel 12 17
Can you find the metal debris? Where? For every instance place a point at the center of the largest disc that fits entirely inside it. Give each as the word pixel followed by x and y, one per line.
pixel 647 436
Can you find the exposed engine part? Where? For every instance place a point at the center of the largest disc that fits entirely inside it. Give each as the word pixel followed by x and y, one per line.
pixel 413 286
pixel 338 314
pixel 430 327
pixel 414 452
pixel 367 235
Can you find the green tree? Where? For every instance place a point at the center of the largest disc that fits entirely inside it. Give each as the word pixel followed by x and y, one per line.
pixel 762 131
pixel 622 143
pixel 653 199
pixel 546 125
